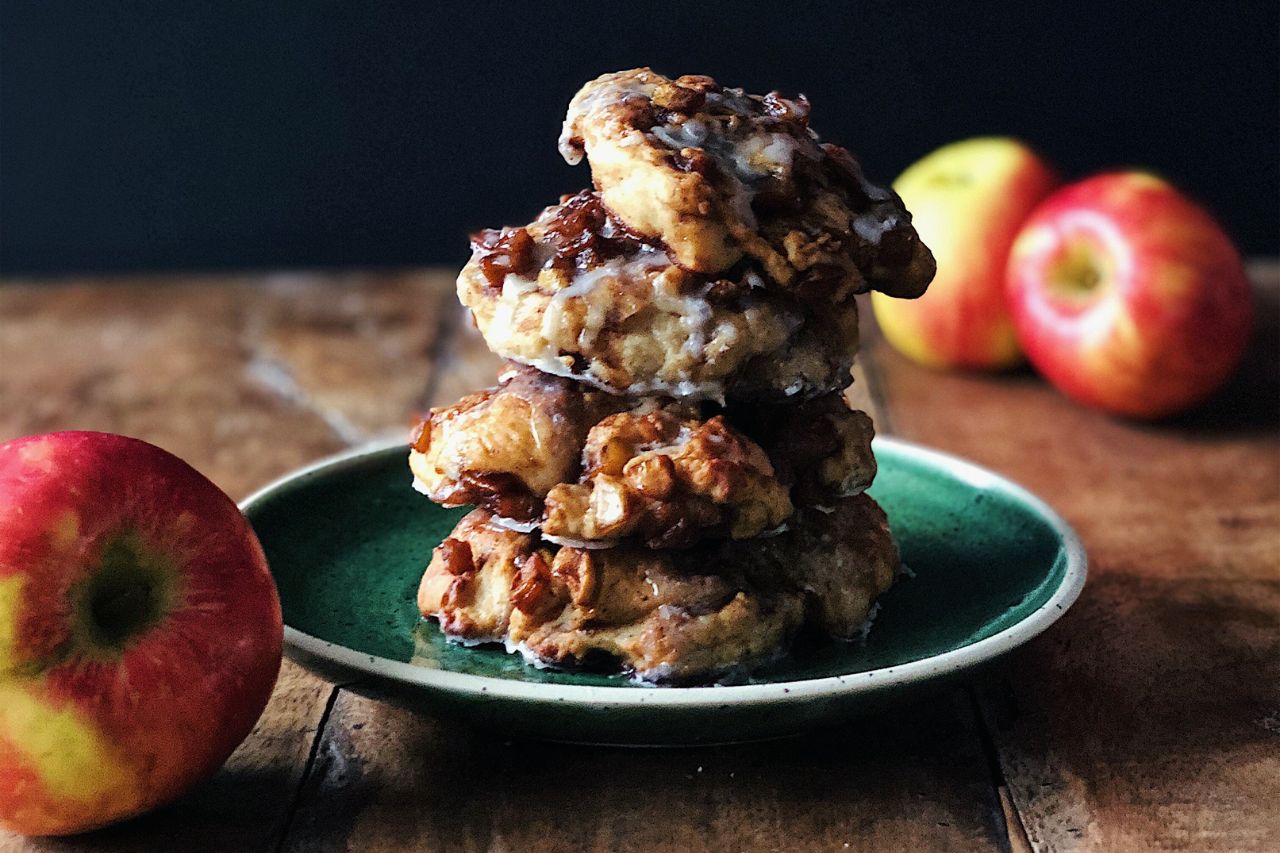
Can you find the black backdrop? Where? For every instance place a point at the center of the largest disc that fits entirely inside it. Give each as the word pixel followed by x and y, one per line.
pixel 136 136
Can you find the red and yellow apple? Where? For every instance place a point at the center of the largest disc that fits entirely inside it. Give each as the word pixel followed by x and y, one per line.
pixel 967 201
pixel 1128 296
pixel 140 630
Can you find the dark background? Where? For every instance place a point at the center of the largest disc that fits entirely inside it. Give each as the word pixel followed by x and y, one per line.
pixel 311 134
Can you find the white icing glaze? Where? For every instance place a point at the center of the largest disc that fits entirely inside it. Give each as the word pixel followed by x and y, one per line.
pixel 865 629
pixel 587 101
pixel 584 544
pixel 458 639
pixel 758 155
pixel 694 312
pixel 501 523
pixel 513 525
pixel 743 150
pixel 583 286
pixel 530 656
pixel 690 133
pixel 874 224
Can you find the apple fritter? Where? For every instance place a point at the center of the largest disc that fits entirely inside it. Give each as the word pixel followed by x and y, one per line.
pixel 715 174
pixel 577 294
pixel 540 451
pixel 670 616
pixel 584 466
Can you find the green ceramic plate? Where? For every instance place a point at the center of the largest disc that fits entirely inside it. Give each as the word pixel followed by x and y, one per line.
pixel 347 538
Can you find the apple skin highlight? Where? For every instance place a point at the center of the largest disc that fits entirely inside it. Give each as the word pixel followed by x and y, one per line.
pixel 140 630
pixel 967 202
pixel 1128 297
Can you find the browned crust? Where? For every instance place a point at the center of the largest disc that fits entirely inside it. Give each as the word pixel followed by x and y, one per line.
pixel 591 467
pixel 716 174
pixel 668 481
pixel 576 293
pixel 664 615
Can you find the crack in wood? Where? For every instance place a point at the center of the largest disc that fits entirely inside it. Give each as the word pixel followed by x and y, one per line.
pixel 1013 836
pixel 440 355
pixel 275 377
pixel 295 801
pixel 1015 839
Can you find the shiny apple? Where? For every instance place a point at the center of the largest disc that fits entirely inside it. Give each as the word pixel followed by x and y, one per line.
pixel 967 201
pixel 140 631
pixel 1128 296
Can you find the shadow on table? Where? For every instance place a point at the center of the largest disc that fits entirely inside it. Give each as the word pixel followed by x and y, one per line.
pixel 920 772
pixel 240 809
pixel 1151 708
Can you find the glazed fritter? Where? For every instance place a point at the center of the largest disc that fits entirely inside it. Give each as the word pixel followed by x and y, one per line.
pixel 715 174
pixel 668 616
pixel 540 451
pixel 577 294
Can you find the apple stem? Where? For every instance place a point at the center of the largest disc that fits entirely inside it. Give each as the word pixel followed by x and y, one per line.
pixel 1077 273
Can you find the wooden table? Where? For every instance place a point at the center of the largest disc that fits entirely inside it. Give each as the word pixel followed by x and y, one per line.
pixel 1147 719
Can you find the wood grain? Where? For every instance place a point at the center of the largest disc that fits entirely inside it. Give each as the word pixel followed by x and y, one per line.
pixel 386 779
pixel 1148 719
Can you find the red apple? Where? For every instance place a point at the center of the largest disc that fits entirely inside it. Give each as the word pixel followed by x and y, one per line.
pixel 140 630
pixel 1129 297
pixel 967 201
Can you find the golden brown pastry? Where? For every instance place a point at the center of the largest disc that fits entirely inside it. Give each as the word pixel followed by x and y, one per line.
pixel 540 451
pixel 505 447
pixel 577 294
pixel 668 479
pixel 677 616
pixel 715 174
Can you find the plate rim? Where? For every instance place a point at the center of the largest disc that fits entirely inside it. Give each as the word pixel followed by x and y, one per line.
pixel 301 645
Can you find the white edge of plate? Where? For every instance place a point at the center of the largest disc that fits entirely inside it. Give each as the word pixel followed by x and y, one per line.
pixel 774 693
